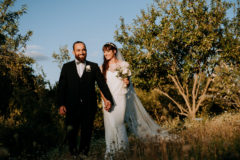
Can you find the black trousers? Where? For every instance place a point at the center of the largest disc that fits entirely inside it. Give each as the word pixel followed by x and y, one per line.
pixel 79 128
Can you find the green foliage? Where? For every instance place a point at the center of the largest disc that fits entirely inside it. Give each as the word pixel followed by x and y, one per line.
pixel 11 40
pixel 28 118
pixel 62 57
pixel 180 43
pixel 156 105
pixel 181 38
pixel 15 68
pixel 226 86
pixel 35 128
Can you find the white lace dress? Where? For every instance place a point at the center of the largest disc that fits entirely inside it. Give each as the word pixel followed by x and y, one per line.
pixel 115 129
pixel 128 108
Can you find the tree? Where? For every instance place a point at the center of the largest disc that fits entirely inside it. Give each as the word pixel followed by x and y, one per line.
pixel 15 68
pixel 62 57
pixel 178 44
pixel 27 108
pixel 226 87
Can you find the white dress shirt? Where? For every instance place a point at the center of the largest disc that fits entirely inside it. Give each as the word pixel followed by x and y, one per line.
pixel 80 67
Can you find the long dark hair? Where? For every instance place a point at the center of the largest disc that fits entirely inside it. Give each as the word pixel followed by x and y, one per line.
pixel 107 47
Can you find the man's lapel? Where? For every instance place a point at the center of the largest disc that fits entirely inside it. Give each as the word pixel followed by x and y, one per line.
pixel 75 68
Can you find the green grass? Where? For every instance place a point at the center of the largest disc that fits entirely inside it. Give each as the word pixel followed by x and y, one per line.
pixel 211 139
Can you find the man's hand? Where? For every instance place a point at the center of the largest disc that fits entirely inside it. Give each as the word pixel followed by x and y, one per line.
pixel 108 105
pixel 62 110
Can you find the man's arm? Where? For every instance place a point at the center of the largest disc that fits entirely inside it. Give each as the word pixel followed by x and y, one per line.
pixel 62 84
pixel 103 85
pixel 107 103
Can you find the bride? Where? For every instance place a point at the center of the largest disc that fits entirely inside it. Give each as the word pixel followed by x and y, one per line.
pixel 127 106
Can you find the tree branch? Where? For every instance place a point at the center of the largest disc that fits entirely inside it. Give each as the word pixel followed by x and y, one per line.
pixel 181 113
pixel 187 91
pixel 179 87
pixel 178 105
pixel 203 96
pixel 178 82
pixel 198 86
pixel 193 92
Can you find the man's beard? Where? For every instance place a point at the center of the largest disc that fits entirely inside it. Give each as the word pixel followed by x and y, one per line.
pixel 81 59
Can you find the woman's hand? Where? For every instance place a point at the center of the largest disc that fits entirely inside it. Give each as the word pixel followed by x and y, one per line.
pixel 62 110
pixel 107 104
pixel 126 81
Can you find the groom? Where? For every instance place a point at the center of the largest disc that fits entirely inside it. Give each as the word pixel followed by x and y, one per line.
pixel 77 97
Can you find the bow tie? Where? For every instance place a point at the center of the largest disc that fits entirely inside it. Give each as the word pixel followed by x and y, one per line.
pixel 79 62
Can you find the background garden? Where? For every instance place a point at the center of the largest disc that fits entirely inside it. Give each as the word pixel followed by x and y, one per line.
pixel 184 56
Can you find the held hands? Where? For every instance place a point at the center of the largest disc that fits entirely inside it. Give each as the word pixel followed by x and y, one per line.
pixel 62 110
pixel 108 105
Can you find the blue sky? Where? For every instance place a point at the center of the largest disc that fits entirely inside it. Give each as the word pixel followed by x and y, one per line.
pixel 62 22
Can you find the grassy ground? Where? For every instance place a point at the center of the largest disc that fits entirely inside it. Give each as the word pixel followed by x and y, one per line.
pixel 211 139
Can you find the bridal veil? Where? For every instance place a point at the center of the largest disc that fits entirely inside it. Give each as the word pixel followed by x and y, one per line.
pixel 138 120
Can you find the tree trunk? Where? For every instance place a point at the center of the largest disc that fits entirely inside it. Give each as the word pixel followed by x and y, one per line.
pixel 192 115
pixel 194 100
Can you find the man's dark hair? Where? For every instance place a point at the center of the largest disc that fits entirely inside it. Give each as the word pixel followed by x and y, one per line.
pixel 79 42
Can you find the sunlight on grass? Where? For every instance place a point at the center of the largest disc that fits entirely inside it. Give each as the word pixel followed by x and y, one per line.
pixel 216 138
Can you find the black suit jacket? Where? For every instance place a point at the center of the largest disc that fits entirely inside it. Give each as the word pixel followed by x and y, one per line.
pixel 78 94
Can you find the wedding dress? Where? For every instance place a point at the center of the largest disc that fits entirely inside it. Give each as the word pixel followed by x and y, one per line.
pixel 127 108
pixel 115 129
